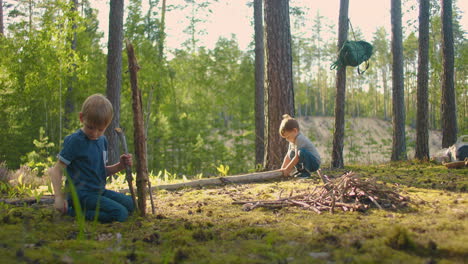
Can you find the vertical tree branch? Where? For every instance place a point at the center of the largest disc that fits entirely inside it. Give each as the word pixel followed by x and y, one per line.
pixel 139 131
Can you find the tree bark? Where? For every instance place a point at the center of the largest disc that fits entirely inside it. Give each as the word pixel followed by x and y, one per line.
pixel 279 79
pixel 422 125
pixel 162 35
pixel 2 32
pixel 338 135
pixel 259 84
pixel 114 73
pixel 69 102
pixel 139 132
pixel 385 91
pixel 449 112
pixel 398 97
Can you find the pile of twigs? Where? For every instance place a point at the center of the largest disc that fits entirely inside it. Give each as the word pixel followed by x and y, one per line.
pixel 346 193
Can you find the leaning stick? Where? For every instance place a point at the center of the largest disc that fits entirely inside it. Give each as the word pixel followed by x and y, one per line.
pixel 128 170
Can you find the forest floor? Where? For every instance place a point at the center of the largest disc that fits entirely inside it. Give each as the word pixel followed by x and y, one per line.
pixel 204 226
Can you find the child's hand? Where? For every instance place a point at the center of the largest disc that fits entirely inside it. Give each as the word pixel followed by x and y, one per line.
pixel 126 160
pixel 61 204
pixel 285 172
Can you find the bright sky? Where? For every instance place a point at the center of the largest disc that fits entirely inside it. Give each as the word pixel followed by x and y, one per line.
pixel 234 17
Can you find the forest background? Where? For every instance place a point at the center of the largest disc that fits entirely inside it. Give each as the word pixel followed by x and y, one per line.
pixel 198 101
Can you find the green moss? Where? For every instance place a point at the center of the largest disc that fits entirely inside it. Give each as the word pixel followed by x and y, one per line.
pixel 203 226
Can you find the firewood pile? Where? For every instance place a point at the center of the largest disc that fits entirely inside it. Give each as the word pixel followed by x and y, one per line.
pixel 347 193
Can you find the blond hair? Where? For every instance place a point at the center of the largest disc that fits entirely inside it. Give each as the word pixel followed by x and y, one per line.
pixel 288 124
pixel 97 110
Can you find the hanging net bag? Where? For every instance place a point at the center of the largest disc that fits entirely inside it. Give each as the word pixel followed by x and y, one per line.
pixel 353 53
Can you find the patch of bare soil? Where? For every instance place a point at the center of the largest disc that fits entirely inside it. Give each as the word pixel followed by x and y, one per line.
pixel 367 140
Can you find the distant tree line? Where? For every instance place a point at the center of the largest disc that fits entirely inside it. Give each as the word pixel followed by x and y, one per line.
pixel 199 103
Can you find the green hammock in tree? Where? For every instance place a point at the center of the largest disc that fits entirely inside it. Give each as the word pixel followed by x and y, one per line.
pixel 353 53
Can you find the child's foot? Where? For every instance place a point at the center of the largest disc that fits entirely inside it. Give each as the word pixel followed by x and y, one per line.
pixel 301 174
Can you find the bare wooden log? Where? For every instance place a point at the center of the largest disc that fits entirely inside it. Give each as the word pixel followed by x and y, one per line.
pixel 236 179
pixel 45 199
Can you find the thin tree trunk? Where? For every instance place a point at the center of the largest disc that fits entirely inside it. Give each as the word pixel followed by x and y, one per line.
pixel 162 35
pixel 69 102
pixel 398 98
pixel 449 112
pixel 30 15
pixel 114 73
pixel 422 130
pixel 139 132
pixel 385 91
pixel 2 32
pixel 338 135
pixel 279 79
pixel 259 84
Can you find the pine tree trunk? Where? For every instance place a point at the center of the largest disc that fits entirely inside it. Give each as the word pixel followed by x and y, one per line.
pixel 449 112
pixel 338 135
pixel 2 32
pixel 279 79
pixel 139 132
pixel 385 91
pixel 69 102
pixel 398 98
pixel 259 84
pixel 114 73
pixel 422 125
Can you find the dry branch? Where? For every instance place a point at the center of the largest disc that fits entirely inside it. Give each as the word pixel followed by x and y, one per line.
pixel 347 193
pixel 139 134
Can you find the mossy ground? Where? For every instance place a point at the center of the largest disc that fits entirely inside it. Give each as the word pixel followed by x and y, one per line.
pixel 203 226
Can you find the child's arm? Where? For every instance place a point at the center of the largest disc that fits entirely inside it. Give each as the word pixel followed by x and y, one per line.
pixel 289 164
pixel 286 161
pixel 125 160
pixel 55 174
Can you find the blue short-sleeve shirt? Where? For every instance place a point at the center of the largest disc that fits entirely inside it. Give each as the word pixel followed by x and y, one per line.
pixel 86 161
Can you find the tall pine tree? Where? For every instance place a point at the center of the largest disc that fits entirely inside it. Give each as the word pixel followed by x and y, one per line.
pixel 398 98
pixel 279 79
pixel 422 121
pixel 449 113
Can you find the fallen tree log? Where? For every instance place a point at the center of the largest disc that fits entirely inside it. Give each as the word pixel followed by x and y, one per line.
pixel 236 179
pixel 45 199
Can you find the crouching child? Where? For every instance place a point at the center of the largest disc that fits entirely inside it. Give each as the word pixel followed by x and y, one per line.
pixel 302 154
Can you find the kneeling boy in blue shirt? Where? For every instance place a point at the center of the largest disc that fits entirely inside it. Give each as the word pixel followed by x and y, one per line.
pixel 84 155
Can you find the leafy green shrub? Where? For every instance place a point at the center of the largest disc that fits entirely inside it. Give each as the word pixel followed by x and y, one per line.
pixel 39 160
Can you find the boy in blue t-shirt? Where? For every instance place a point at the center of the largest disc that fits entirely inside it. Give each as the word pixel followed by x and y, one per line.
pixel 302 153
pixel 84 155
